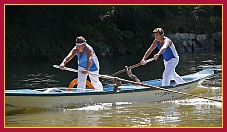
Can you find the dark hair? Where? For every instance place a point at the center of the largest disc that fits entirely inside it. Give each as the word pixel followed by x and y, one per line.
pixel 80 39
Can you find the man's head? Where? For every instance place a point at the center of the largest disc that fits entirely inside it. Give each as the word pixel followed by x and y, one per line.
pixel 158 33
pixel 80 43
pixel 80 40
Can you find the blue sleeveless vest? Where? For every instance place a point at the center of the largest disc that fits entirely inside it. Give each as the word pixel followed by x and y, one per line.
pixel 168 54
pixel 82 60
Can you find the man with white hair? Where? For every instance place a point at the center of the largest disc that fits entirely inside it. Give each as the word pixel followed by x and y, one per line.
pixel 87 62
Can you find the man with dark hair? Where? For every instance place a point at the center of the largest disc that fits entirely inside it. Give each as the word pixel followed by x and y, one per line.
pixel 170 57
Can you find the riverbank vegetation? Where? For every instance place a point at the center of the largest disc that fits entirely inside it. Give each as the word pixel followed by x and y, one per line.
pixel 47 32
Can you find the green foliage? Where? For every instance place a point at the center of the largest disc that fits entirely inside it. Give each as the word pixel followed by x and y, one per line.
pixel 47 32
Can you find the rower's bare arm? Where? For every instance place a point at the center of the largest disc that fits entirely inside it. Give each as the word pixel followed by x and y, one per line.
pixel 166 44
pixel 148 52
pixel 71 54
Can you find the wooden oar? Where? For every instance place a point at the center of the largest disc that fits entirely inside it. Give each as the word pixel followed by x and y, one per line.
pixel 131 67
pixel 141 84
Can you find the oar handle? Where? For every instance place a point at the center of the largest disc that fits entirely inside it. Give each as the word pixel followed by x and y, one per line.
pixel 149 60
pixel 131 67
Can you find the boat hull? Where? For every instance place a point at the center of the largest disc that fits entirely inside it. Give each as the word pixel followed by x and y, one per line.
pixel 50 97
pixel 139 95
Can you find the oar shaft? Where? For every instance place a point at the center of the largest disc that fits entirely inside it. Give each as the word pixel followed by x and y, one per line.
pixel 131 67
pixel 137 83
pixel 74 70
pixel 124 70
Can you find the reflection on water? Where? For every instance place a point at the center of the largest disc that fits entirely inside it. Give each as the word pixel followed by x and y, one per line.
pixel 34 80
pixel 175 113
pixel 183 112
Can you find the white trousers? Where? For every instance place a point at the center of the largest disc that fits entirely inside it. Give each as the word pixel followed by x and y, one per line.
pixel 170 73
pixel 94 80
